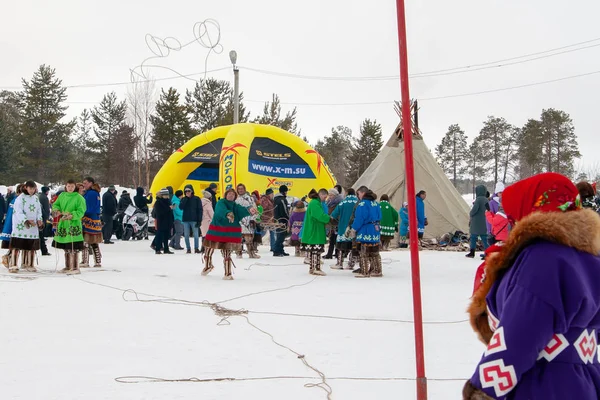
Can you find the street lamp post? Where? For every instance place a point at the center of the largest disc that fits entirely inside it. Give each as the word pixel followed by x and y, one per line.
pixel 236 87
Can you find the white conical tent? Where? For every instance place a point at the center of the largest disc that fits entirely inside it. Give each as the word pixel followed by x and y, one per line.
pixel 445 209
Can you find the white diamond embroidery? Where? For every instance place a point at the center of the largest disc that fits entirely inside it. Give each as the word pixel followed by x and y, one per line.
pixel 555 346
pixel 497 343
pixel 586 346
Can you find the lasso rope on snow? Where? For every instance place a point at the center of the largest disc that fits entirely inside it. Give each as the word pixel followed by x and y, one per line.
pixel 207 34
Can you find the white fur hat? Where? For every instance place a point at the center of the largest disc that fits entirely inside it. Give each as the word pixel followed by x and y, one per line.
pixel 499 187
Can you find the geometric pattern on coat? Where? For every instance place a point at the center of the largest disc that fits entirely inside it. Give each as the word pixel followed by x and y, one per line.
pixel 555 346
pixel 586 346
pixel 492 320
pixel 497 343
pixel 495 374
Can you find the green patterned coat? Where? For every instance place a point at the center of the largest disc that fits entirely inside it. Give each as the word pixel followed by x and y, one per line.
pixel 389 219
pixel 69 230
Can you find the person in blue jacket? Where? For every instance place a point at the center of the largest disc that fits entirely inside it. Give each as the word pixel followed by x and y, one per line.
pixel 342 213
pixel 92 226
pixel 366 230
pixel 421 218
pixel 403 231
pixel 7 229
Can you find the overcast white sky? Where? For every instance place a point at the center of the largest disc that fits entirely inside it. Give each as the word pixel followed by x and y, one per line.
pixel 98 42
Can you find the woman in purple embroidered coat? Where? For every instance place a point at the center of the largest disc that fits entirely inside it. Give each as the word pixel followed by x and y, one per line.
pixel 296 222
pixel 538 308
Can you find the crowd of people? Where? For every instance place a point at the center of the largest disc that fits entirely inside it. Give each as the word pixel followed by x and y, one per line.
pixel 355 224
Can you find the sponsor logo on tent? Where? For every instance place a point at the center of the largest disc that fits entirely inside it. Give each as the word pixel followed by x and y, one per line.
pixel 207 153
pixel 276 182
pixel 229 162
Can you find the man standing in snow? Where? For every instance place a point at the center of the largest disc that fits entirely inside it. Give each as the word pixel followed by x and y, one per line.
pixel 282 216
pixel 109 209
pixel 45 204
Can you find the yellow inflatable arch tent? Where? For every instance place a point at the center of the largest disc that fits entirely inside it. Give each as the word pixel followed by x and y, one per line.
pixel 259 156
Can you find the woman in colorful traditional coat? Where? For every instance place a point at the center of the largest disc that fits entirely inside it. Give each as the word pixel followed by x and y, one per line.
pixel 296 222
pixel 342 214
pixel 92 225
pixel 69 208
pixel 389 222
pixel 366 228
pixel 224 232
pixel 26 223
pixel 314 235
pixel 7 229
pixel 537 310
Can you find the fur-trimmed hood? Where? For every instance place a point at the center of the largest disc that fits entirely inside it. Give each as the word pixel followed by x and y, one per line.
pixel 576 229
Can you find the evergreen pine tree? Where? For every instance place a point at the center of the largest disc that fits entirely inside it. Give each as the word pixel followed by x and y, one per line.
pixel 207 104
pixel 452 152
pixel 85 153
pixel 171 125
pixel 476 164
pixel 530 155
pixel 10 121
pixel 272 116
pixel 46 144
pixel 108 118
pixel 495 137
pixel 562 148
pixel 364 149
pixel 335 150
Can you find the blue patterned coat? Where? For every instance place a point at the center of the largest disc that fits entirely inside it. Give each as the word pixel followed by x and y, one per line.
pixel 342 213
pixel 366 220
pixel 7 230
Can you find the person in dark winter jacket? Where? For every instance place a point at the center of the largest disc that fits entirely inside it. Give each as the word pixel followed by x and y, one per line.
pixel 164 221
pixel 478 223
pixel 10 195
pixel 141 201
pixel 282 216
pixel 124 202
pixel 45 204
pixel 109 209
pixel 3 210
pixel 192 218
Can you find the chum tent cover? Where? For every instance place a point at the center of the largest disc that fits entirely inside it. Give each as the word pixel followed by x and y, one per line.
pixel 445 209
pixel 259 156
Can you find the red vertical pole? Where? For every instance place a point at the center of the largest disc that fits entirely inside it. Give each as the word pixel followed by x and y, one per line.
pixel 412 204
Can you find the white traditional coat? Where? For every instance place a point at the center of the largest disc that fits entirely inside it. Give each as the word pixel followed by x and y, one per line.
pixel 26 208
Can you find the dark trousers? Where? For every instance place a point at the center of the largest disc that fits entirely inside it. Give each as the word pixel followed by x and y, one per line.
pixel 279 239
pixel 107 229
pixel 162 240
pixel 332 240
pixel 43 246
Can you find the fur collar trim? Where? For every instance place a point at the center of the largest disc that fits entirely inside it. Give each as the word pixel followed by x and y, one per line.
pixel 577 229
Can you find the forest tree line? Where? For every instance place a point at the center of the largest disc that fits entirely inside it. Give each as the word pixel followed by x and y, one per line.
pixel 119 141
pixel 502 152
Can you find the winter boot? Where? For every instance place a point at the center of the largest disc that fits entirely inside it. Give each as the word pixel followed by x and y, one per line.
pixel 208 265
pixel 13 262
pixel 340 261
pixel 363 262
pixel 227 262
pixel 73 267
pixel 85 256
pixel 471 254
pixel 376 268
pixel 28 261
pixel 97 256
pixel 5 259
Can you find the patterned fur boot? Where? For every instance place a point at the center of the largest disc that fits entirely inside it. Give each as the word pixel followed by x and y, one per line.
pixel 13 261
pixel 208 264
pixel 376 268
pixel 85 256
pixel 227 263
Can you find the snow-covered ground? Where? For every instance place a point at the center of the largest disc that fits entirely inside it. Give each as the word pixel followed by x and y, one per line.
pixel 70 337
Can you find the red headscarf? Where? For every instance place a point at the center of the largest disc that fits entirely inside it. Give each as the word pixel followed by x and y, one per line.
pixel 549 192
